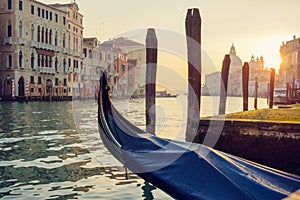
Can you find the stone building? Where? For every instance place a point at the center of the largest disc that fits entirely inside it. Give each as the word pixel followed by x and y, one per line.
pixel 258 72
pixel 235 74
pixel 289 71
pixel 36 49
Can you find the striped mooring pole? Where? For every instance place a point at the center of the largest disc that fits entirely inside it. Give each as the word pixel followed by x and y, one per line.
pixel 12 89
pixel 27 92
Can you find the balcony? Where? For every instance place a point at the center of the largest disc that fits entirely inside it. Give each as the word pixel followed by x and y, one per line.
pixel 65 51
pixel 76 70
pixel 56 49
pixel 46 70
pixel 22 41
pixel 33 44
pixel 8 40
pixel 77 54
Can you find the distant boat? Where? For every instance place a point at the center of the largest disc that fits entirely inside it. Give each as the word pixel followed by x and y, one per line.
pixel 165 94
pixel 186 170
pixel 280 96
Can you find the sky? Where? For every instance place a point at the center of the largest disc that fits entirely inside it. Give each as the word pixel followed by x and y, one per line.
pixel 255 27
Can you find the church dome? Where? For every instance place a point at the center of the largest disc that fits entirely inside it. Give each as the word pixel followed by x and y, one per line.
pixel 235 61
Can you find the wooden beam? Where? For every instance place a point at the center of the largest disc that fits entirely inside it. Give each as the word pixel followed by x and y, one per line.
pixel 224 84
pixel 193 37
pixel 272 79
pixel 151 68
pixel 245 78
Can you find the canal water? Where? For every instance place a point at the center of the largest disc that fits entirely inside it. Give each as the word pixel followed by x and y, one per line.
pixel 53 150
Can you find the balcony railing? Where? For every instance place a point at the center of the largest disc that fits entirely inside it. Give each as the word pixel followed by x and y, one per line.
pixel 33 44
pixel 22 41
pixel 75 70
pixel 46 70
pixel 8 40
pixel 65 51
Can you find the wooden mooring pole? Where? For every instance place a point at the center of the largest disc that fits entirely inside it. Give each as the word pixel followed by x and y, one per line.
pixel 151 67
pixel 224 84
pixel 272 79
pixel 255 93
pixel 245 78
pixel 193 37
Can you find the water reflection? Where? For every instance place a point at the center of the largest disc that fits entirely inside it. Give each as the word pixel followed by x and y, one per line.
pixel 43 156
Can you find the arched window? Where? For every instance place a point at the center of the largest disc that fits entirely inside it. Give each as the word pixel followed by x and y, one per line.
pixel 69 42
pixel 74 41
pixel 76 44
pixel 56 39
pixel 56 64
pixel 43 61
pixel 43 34
pixel 9 29
pixel 64 40
pixel 20 59
pixel 50 36
pixel 65 65
pixel 39 60
pixel 46 61
pixel 50 61
pixel 32 32
pixel 39 34
pixel 46 36
pixel 20 29
pixel 9 61
pixel 32 61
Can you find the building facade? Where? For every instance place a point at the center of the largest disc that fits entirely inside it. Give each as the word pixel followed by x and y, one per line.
pixel 35 51
pixel 289 71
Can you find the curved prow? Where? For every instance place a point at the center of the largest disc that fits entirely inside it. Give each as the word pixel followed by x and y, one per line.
pixel 104 115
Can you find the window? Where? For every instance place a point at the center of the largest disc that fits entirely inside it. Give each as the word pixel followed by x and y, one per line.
pixel 56 18
pixel 39 80
pixel 46 35
pixel 9 61
pixel 32 79
pixel 55 39
pixel 50 62
pixel 123 68
pixel 50 36
pixel 56 64
pixel 9 29
pixel 38 34
pixel 65 81
pixel 20 4
pixel 32 9
pixel 32 61
pixel 32 32
pixel 20 59
pixel 64 65
pixel 69 26
pixel 85 52
pixel 64 40
pixel 9 5
pixel 42 34
pixel 50 16
pixel 56 81
pixel 70 61
pixel 20 29
pixel 47 14
pixel 39 60
pixel 43 13
pixel 32 90
pixel 64 20
pixel 39 12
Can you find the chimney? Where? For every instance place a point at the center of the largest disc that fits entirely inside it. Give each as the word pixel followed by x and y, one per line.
pixel 294 37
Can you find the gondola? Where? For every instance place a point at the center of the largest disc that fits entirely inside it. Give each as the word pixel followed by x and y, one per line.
pixel 186 170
